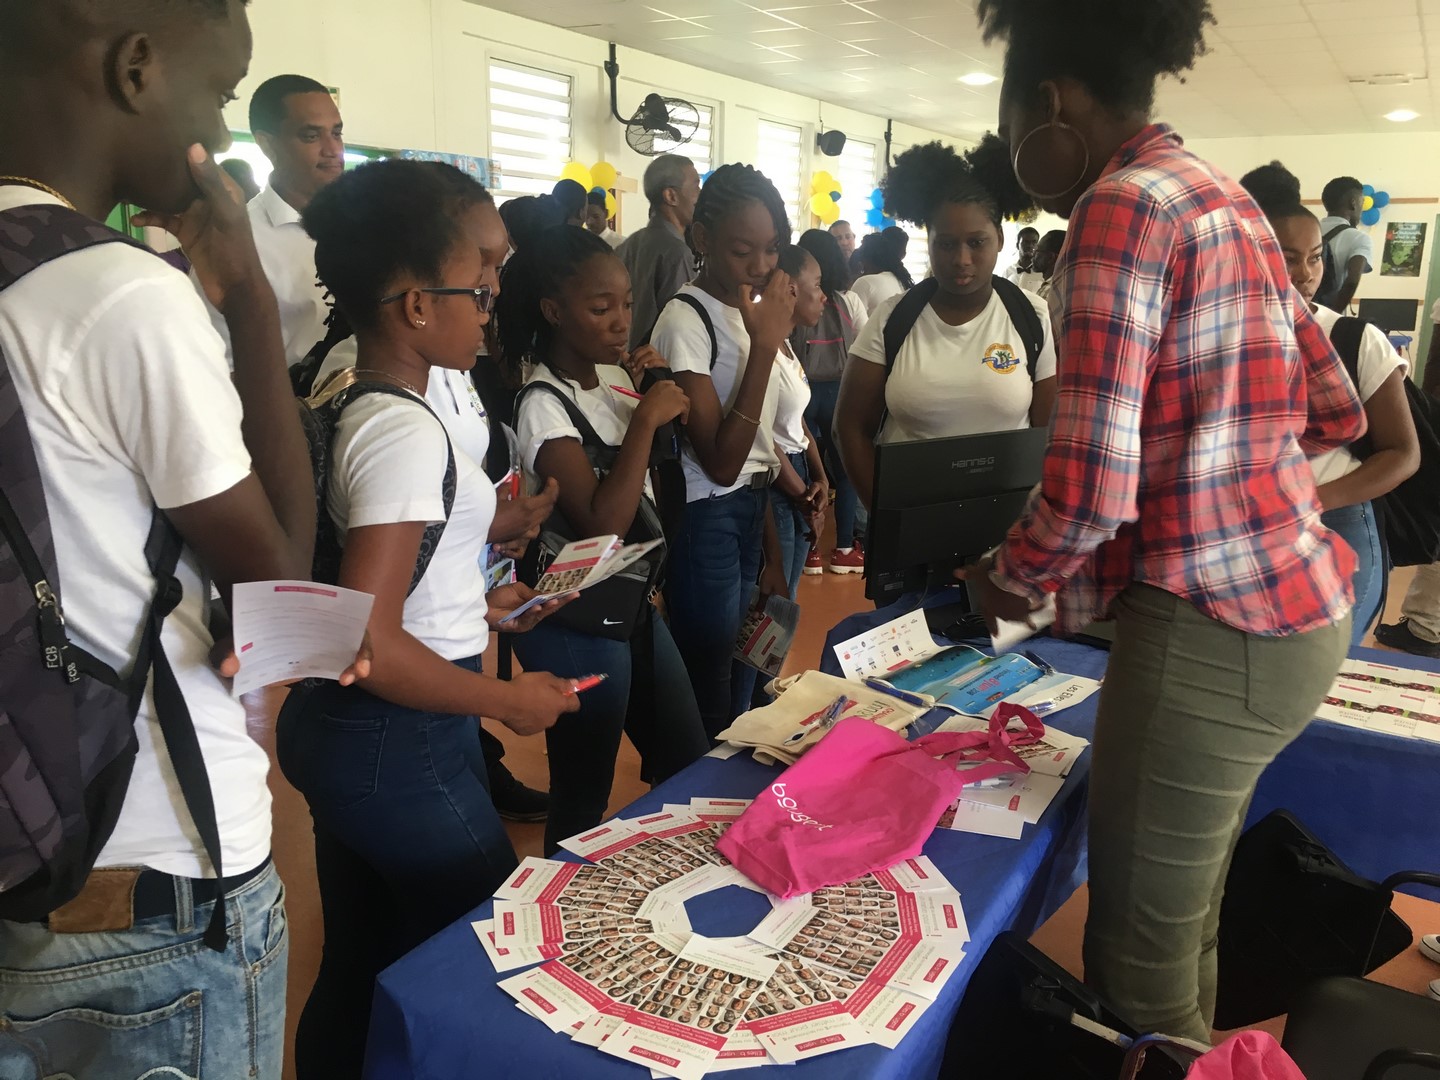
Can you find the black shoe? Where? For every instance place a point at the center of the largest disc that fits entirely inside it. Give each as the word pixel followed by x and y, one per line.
pixel 1400 636
pixel 516 802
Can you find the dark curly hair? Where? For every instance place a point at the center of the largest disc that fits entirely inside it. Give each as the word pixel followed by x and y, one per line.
pixel 835 276
pixel 537 271
pixel 927 177
pixel 733 187
pixel 1117 48
pixel 383 220
pixel 1276 190
pixel 793 258
pixel 882 252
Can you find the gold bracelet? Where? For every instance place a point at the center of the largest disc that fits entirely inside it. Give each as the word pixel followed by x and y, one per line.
pixel 742 416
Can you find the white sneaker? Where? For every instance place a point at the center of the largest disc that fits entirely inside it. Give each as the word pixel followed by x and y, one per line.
pixel 1430 946
pixel 1435 989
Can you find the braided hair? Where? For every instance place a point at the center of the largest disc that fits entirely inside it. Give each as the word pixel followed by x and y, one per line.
pixel 928 177
pixel 538 271
pixel 882 254
pixel 730 189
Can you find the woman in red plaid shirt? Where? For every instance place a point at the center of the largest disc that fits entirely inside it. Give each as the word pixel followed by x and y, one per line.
pixel 1177 497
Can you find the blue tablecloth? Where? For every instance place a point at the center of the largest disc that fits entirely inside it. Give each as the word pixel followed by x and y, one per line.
pixel 438 1014
pixel 1374 798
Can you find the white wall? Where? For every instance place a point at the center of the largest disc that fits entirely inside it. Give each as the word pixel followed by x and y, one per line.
pixel 412 74
pixel 1406 165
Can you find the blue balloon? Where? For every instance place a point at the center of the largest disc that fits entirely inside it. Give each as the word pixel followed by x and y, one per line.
pixel 598 190
pixel 887 222
pixel 835 196
pixel 1382 199
pixel 1371 217
pixel 707 176
pixel 877 199
pixel 875 218
pixel 1368 190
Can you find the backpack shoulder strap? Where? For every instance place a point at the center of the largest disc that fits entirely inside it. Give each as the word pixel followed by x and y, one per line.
pixel 588 435
pixel 1336 232
pixel 433 533
pixel 696 306
pixel 1026 319
pixel 903 318
pixel 31 236
pixel 1347 335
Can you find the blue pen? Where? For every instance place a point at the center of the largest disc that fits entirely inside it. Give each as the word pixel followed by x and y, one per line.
pixel 904 695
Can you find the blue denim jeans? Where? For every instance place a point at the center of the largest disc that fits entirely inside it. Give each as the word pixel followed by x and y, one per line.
pixel 1357 527
pixel 406 842
pixel 714 565
pixel 152 1000
pixel 820 417
pixel 792 527
pixel 660 717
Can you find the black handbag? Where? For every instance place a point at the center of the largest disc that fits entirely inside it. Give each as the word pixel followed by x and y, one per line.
pixel 1294 913
pixel 613 608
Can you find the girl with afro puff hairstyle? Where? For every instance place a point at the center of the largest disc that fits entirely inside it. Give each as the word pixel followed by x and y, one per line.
pixel 962 369
pixel 1176 496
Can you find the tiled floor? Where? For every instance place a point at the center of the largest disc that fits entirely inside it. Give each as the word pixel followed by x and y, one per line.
pixel 824 601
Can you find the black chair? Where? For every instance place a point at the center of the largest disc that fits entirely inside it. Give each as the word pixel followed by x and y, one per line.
pixel 1294 912
pixel 1346 1028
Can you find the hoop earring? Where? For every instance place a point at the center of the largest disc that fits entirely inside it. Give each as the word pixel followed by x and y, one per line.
pixel 1056 126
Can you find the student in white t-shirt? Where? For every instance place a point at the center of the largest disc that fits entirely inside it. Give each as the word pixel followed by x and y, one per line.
pixel 129 404
pixel 565 307
pixel 882 271
pixel 1351 249
pixel 728 542
pixel 962 367
pixel 406 836
pixel 1345 484
pixel 801 491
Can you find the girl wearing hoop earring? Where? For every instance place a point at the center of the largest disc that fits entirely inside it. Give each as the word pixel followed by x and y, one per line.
pixel 1177 498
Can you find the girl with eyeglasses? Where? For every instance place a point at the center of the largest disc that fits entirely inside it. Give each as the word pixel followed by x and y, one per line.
pixel 406 837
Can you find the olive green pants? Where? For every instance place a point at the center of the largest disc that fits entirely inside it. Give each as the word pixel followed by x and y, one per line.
pixel 1191 713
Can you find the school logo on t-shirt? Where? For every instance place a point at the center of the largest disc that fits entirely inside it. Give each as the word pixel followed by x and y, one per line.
pixel 1001 358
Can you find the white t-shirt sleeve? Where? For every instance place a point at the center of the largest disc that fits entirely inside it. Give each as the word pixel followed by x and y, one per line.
pixel 1354 242
pixel 859 314
pixel 1378 361
pixel 1045 363
pixel 540 419
pixel 870 345
pixel 680 337
pixel 390 463
pixel 161 390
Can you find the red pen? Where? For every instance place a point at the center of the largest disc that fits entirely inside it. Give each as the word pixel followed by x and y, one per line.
pixel 589 682
pixel 627 392
pixel 515 485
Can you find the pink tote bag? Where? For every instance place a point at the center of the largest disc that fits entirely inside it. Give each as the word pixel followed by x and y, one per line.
pixel 864 799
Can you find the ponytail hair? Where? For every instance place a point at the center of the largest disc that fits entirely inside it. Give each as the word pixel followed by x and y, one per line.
pixel 537 271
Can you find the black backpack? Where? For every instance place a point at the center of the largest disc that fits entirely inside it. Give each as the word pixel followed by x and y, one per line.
pixel 1017 305
pixel 67 721
pixel 614 608
pixel 320 416
pixel 1330 280
pixel 1409 515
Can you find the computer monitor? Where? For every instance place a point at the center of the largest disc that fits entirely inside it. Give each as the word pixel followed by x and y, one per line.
pixel 941 503
pixel 1392 316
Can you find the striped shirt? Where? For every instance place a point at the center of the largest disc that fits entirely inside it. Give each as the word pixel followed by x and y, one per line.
pixel 1193 382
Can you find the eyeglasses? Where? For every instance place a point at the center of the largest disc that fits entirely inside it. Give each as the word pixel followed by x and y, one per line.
pixel 483 296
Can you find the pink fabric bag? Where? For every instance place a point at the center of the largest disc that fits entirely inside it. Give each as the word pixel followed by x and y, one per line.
pixel 864 799
pixel 1251 1055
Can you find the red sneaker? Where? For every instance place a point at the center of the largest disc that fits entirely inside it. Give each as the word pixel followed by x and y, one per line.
pixel 847 562
pixel 814 564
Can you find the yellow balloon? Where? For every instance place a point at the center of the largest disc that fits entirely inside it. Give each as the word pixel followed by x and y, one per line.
pixel 825 208
pixel 603 174
pixel 610 205
pixel 822 183
pixel 577 172
pixel 1369 203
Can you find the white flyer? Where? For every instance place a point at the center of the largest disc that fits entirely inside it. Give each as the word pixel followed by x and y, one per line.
pixel 969 817
pixel 1026 795
pixel 886 1013
pixel 558 1006
pixel 887 648
pixel 286 630
pixel 684 1025
pixel 511 959
pixel 1009 633
pixel 1394 701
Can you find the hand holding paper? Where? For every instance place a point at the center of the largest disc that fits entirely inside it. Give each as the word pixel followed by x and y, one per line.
pixel 287 630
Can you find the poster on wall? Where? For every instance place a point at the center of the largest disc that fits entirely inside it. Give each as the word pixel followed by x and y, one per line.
pixel 485 170
pixel 1404 249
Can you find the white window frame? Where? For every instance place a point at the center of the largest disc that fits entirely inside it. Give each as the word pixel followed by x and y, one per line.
pixel 855 205
pixel 798 211
pixel 522 141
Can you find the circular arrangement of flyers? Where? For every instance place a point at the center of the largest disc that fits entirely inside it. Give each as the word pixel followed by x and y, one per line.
pixel 620 968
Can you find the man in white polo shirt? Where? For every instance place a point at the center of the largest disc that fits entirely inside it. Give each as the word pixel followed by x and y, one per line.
pixel 1350 247
pixel 298 127
pixel 124 387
